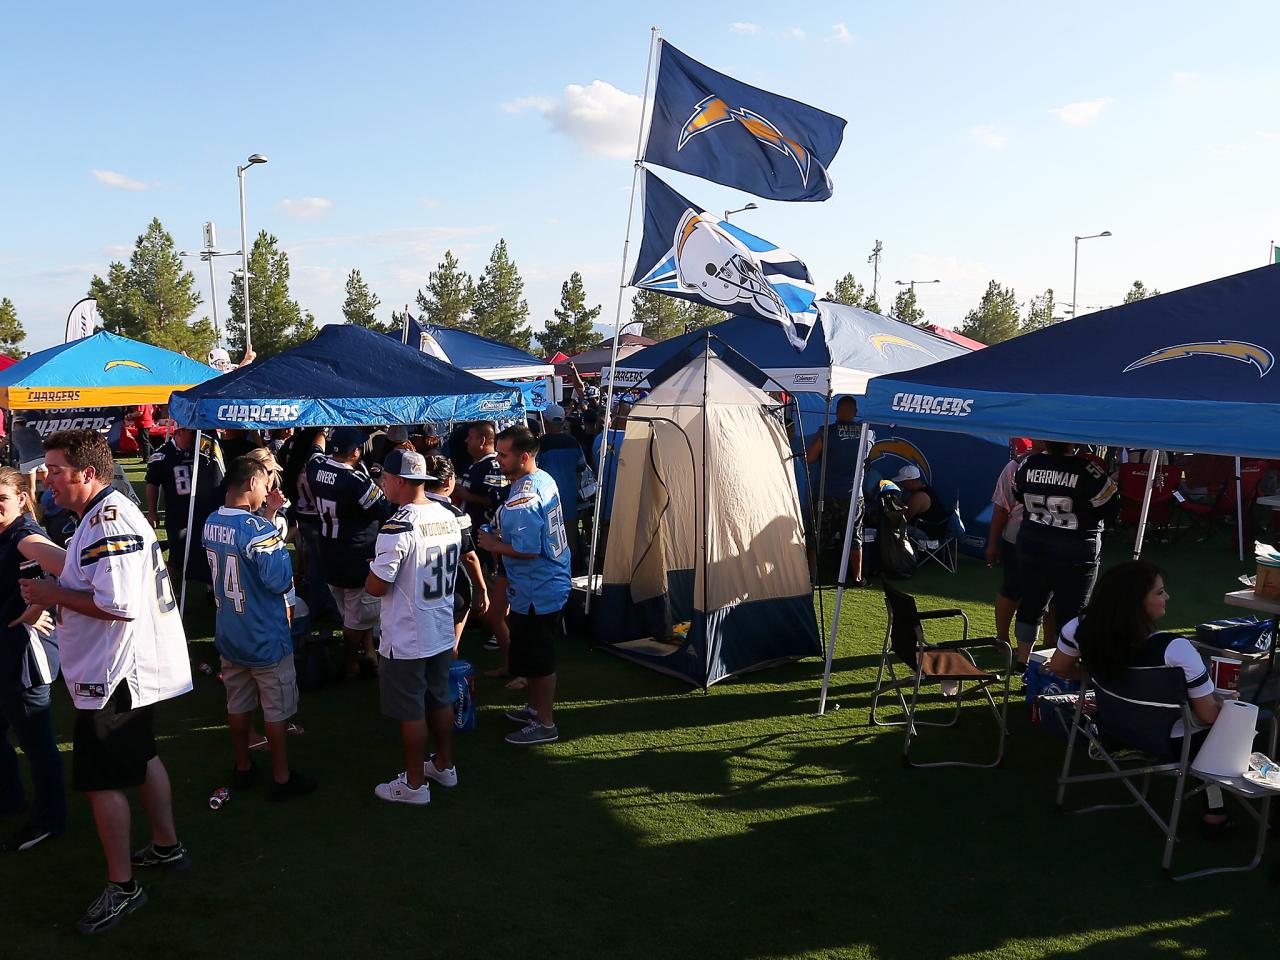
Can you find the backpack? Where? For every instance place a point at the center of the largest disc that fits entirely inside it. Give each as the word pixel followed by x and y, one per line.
pixel 897 552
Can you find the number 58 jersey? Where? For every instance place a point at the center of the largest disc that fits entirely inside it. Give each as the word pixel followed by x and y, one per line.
pixel 114 555
pixel 418 551
pixel 1065 499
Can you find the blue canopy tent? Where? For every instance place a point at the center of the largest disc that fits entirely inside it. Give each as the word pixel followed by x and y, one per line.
pixel 1184 371
pixel 348 375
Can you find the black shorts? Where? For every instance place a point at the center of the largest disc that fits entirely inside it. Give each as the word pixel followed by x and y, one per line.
pixel 463 594
pixel 533 642
pixel 112 746
pixel 1011 578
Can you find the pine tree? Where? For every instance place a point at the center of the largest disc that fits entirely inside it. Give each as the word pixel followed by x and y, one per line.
pixel 1139 292
pixel 659 315
pixel 905 307
pixel 1039 312
pixel 153 297
pixel 447 299
pixel 362 304
pixel 870 304
pixel 11 332
pixel 500 311
pixel 572 330
pixel 695 316
pixel 276 322
pixel 996 318
pixel 847 291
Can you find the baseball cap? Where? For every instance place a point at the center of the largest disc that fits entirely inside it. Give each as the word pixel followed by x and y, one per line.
pixel 407 465
pixel 398 433
pixel 554 413
pixel 909 472
pixel 346 439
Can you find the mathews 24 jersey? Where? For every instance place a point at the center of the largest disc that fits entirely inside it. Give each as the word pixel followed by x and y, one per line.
pixel 252 573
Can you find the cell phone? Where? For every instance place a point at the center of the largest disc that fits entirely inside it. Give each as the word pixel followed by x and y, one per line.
pixel 29 570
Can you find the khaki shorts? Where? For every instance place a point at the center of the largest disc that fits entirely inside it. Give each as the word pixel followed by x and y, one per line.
pixel 359 609
pixel 275 686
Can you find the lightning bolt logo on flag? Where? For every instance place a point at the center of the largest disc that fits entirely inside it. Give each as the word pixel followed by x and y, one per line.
pixel 689 253
pixel 712 126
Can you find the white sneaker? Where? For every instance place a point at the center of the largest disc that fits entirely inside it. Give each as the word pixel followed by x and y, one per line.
pixel 446 778
pixel 399 791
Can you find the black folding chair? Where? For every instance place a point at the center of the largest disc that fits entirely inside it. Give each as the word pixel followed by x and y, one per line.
pixel 949 661
pixel 1129 732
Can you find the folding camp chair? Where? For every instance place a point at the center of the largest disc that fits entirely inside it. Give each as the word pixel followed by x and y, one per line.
pixel 1220 511
pixel 943 549
pixel 1133 489
pixel 1129 732
pixel 949 661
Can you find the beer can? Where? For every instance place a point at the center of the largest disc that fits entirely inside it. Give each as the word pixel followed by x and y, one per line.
pixel 218 798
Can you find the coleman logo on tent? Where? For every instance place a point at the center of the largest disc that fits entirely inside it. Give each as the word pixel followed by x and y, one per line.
pixel 940 406
pixel 1238 350
pixel 269 412
pixel 52 396
pixel 494 405
pixel 805 378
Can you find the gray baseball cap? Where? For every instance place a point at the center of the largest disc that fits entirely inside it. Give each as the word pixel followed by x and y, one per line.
pixel 407 465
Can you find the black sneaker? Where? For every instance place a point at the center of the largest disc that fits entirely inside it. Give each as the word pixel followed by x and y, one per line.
pixel 149 856
pixel 110 908
pixel 27 837
pixel 243 779
pixel 298 785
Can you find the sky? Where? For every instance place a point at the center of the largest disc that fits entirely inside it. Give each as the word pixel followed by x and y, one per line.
pixel 981 139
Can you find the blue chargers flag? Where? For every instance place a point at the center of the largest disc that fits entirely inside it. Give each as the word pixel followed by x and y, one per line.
pixel 712 126
pixel 689 253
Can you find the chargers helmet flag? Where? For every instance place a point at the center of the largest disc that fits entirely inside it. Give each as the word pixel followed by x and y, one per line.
pixel 689 253
pixel 715 127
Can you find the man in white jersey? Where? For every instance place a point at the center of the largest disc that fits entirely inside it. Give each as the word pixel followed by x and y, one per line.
pixel 415 568
pixel 123 650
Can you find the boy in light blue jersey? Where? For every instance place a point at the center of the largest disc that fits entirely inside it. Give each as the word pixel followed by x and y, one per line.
pixel 531 540
pixel 252 574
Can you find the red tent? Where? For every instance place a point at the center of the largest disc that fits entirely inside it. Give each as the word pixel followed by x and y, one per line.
pixel 948 334
pixel 6 362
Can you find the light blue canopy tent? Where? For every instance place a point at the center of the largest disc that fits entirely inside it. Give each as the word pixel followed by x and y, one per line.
pixel 1187 370
pixel 487 359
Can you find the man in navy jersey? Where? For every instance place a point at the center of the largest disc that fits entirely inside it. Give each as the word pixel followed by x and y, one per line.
pixel 169 471
pixel 530 539
pixel 1066 500
pixel 252 573
pixel 836 445
pixel 351 508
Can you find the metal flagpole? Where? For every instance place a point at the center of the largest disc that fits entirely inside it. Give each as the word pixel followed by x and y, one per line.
pixel 617 328
pixel 191 519
pixel 854 499
pixel 1239 511
pixel 1152 467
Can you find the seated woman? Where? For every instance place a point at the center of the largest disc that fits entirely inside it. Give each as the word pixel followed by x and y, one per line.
pixel 1117 630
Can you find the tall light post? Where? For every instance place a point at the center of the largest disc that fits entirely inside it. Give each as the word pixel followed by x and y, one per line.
pixel 1075 268
pixel 207 255
pixel 244 243
pixel 911 284
pixel 749 206
pixel 874 260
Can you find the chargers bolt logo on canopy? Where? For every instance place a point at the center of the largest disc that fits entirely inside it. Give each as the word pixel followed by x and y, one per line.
pixel 882 340
pixel 126 363
pixel 1238 350
pixel 903 450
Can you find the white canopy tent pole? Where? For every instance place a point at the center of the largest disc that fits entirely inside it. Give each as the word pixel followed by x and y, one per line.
pixel 854 501
pixel 191 519
pixel 1153 464
pixel 1239 511
pixel 617 332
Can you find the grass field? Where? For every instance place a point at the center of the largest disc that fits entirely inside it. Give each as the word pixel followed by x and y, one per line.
pixel 667 822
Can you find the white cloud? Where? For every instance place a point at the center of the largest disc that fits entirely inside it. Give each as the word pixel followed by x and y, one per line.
pixel 1082 112
pixel 986 134
pixel 795 33
pixel 840 34
pixel 118 180
pixel 305 208
pixel 600 117
pixel 1228 149
pixel 744 29
pixel 1269 134
pixel 118 250
pixel 429 202
pixel 1185 80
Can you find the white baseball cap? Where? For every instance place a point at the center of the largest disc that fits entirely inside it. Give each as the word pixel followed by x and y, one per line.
pixel 909 472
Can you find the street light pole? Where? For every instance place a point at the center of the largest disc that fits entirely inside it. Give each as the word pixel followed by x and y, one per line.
pixel 244 245
pixel 874 260
pixel 208 254
pixel 749 206
pixel 1075 267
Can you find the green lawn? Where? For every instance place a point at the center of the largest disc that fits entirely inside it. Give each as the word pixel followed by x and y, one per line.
pixel 667 822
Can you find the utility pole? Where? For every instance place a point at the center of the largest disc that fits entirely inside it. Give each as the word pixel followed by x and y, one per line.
pixel 874 260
